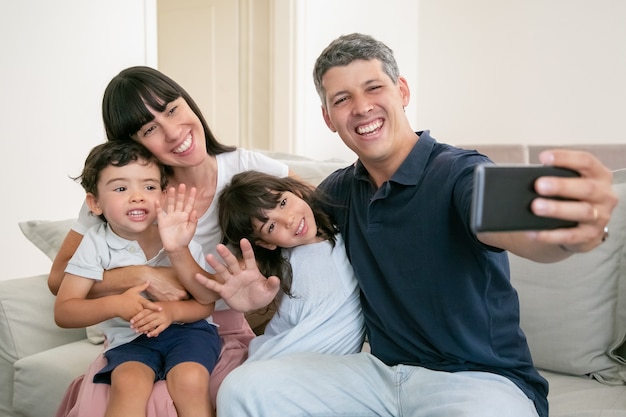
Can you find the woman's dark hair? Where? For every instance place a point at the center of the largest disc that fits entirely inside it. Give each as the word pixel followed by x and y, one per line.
pixel 124 109
pixel 116 154
pixel 250 195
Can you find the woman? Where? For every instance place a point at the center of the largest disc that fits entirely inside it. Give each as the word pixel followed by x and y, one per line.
pixel 143 104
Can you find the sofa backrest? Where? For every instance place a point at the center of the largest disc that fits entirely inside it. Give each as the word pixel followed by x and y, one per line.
pixel 611 155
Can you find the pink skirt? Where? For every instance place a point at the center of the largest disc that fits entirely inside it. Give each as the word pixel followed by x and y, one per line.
pixel 83 398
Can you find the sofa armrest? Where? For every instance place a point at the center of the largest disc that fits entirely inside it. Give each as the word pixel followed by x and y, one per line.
pixel 26 327
pixel 27 319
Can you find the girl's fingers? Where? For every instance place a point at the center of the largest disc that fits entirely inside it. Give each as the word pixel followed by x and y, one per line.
pixel 248 254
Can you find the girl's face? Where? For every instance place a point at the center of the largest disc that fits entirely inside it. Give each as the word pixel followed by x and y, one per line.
pixel 127 196
pixel 175 136
pixel 290 224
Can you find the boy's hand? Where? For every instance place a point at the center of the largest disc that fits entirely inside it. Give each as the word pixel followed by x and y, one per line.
pixel 131 302
pixel 151 322
pixel 243 286
pixel 177 219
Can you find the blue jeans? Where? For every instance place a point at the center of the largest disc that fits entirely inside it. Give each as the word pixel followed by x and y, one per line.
pixel 311 384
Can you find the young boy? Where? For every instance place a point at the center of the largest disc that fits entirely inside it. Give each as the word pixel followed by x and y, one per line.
pixel 145 341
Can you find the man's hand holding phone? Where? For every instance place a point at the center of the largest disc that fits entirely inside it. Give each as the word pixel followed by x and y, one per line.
pixel 503 195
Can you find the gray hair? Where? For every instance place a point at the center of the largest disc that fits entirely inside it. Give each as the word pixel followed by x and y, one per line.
pixel 348 48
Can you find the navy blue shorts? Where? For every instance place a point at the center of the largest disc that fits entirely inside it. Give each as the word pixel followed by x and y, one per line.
pixel 192 342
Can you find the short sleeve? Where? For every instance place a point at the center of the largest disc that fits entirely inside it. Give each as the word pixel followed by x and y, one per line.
pixel 85 220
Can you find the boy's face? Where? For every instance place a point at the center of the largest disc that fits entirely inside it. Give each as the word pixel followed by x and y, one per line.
pixel 290 224
pixel 127 196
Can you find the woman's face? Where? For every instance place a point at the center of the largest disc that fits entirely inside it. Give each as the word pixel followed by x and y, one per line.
pixel 175 136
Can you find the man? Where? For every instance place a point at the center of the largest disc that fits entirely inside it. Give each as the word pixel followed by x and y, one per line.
pixel 442 317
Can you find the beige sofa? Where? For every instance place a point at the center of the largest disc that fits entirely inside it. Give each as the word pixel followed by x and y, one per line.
pixel 573 313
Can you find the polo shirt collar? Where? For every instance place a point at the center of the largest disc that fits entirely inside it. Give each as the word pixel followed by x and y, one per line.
pixel 411 170
pixel 114 241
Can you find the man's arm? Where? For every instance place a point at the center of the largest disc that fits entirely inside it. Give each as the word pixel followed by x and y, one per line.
pixel 594 201
pixel 163 282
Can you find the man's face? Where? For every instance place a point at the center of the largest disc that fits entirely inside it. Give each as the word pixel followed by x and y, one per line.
pixel 365 108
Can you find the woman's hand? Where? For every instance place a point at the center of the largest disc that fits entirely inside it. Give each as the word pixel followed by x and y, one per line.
pixel 243 286
pixel 164 284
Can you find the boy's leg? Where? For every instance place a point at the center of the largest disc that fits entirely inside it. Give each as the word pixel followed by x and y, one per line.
pixel 188 385
pixel 310 384
pixel 131 385
pixel 192 352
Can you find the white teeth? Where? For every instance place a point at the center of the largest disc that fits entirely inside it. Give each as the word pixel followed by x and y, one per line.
pixel 136 212
pixel 183 146
pixel 370 127
pixel 300 227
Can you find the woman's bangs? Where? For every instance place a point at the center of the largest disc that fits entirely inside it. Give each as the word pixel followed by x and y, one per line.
pixel 135 112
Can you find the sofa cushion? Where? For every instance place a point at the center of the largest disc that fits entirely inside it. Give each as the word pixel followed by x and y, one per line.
pixel 307 169
pixel 47 235
pixel 26 327
pixel 583 397
pixel 48 374
pixel 570 310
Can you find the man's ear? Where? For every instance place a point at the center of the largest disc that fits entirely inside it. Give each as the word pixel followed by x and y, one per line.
pixel 405 92
pixel 266 245
pixel 92 203
pixel 326 117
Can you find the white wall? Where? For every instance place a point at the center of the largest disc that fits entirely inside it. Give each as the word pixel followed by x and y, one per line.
pixel 57 57
pixel 481 71
pixel 321 21
pixel 532 71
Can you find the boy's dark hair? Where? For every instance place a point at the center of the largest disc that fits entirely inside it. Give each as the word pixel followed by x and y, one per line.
pixel 250 195
pixel 117 154
pixel 125 99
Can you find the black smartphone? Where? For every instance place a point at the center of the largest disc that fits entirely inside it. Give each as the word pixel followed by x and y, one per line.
pixel 502 196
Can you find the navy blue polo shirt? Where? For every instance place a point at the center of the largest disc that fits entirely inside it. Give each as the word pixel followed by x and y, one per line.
pixel 432 294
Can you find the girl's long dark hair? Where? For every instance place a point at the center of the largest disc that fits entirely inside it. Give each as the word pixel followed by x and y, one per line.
pixel 250 195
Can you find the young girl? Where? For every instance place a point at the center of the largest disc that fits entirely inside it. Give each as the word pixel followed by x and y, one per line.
pixel 293 239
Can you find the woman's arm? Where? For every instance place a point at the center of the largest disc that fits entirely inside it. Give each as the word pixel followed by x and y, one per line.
pixel 163 282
